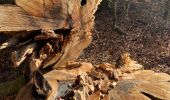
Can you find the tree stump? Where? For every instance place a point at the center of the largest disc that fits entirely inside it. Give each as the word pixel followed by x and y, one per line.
pixel 48 36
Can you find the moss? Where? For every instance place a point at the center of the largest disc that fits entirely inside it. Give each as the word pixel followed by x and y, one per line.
pixel 11 87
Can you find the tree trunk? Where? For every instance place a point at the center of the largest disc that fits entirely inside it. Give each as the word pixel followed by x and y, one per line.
pixel 146 12
pixel 47 36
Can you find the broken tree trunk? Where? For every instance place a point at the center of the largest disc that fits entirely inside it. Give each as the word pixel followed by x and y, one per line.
pixel 82 81
pixel 54 32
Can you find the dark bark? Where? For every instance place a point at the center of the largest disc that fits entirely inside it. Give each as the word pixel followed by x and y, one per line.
pixel 7 1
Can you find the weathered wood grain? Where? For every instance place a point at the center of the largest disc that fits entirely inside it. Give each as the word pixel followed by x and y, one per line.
pixel 13 18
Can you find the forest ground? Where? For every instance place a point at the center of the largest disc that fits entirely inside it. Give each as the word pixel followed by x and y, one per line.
pixel 147 44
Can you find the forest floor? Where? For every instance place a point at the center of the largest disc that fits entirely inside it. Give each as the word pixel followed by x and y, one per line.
pixel 150 47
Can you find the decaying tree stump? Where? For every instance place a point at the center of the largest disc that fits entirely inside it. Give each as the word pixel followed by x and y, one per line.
pixel 65 30
pixel 47 33
pixel 128 81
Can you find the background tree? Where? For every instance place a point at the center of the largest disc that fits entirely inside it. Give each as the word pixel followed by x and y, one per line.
pixel 153 13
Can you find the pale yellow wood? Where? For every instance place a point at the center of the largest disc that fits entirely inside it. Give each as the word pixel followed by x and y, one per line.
pixel 44 8
pixel 66 75
pixel 13 18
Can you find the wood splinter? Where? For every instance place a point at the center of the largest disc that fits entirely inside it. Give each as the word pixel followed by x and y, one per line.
pixel 19 56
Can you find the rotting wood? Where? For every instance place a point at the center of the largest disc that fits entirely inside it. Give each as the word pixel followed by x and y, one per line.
pixel 129 80
pixel 65 74
pixel 19 56
pixel 79 82
pixel 54 35
pixel 13 18
pixel 60 48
